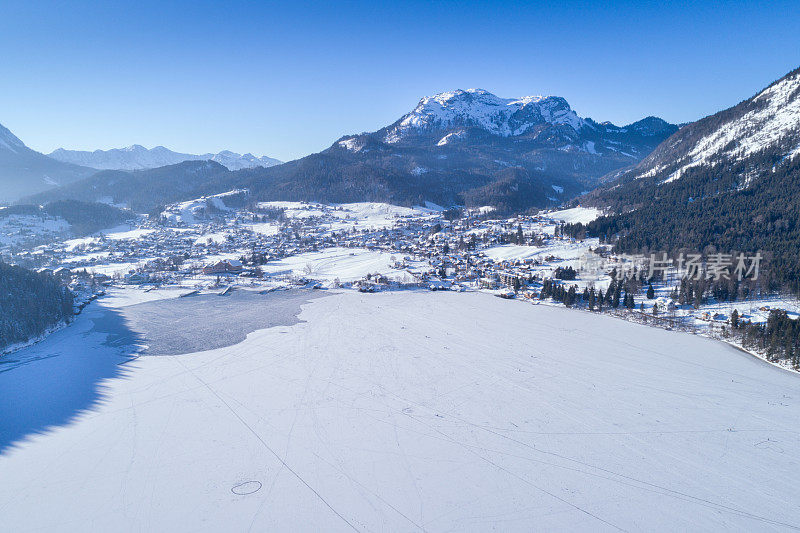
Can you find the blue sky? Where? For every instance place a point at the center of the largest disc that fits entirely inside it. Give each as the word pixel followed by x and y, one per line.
pixel 288 79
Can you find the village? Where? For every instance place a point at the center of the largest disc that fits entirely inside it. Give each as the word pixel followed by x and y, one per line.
pixel 205 246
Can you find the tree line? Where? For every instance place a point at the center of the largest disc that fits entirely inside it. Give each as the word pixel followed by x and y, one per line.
pixel 30 304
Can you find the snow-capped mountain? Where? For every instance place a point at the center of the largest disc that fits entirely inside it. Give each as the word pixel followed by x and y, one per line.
pixel 25 171
pixel 733 140
pixel 462 116
pixel 471 146
pixel 137 157
pixel 481 109
pixel 234 161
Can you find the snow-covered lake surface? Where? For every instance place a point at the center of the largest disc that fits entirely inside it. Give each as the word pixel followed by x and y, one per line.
pixel 398 411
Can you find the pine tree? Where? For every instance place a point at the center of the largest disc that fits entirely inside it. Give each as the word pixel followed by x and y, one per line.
pixel 735 319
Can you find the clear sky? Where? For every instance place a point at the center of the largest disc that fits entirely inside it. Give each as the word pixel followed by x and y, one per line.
pixel 288 79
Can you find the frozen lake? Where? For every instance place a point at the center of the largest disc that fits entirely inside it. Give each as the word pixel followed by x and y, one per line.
pixel 404 411
pixel 208 321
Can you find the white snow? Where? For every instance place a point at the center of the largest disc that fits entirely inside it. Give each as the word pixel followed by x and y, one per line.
pixel 192 211
pixel 352 143
pixel 361 215
pixel 570 251
pixel 575 215
pixel 111 269
pixel 123 232
pixel 406 411
pixel 451 137
pixel 214 237
pixel 480 108
pixel 346 264
pixel 131 234
pixel 9 141
pixel 264 228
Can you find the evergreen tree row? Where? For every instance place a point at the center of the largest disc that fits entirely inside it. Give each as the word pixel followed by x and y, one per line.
pixel 30 304
pixel 778 339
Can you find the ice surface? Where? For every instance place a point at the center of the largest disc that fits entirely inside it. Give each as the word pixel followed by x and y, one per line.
pixel 409 410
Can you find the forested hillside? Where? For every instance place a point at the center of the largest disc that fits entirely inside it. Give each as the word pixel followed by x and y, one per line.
pixel 143 190
pixel 83 217
pixel 30 304
pixel 729 182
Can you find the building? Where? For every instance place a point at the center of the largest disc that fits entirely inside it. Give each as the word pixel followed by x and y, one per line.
pixel 228 266
pixel 137 278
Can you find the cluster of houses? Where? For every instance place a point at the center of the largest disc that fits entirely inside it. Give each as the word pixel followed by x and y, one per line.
pixel 228 245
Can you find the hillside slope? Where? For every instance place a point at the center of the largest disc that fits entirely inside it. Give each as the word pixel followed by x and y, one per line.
pixel 730 180
pixel 24 171
pixel 145 190
pixel 30 304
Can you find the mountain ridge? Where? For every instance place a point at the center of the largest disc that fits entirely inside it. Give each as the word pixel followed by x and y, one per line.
pixel 24 171
pixel 462 147
pixel 137 157
pixel 452 148
pixel 728 182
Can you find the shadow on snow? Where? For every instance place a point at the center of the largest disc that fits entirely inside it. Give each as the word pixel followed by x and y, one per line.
pixel 51 383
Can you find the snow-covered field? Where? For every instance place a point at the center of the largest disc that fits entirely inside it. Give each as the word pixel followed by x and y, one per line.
pixel 346 264
pixel 575 215
pixel 120 233
pixel 399 411
pixel 110 269
pixel 189 212
pixel 16 229
pixel 564 250
pixel 361 215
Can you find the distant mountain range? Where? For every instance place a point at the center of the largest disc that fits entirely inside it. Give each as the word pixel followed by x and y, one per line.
pixel 24 171
pixel 462 147
pixel 730 180
pixel 137 157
